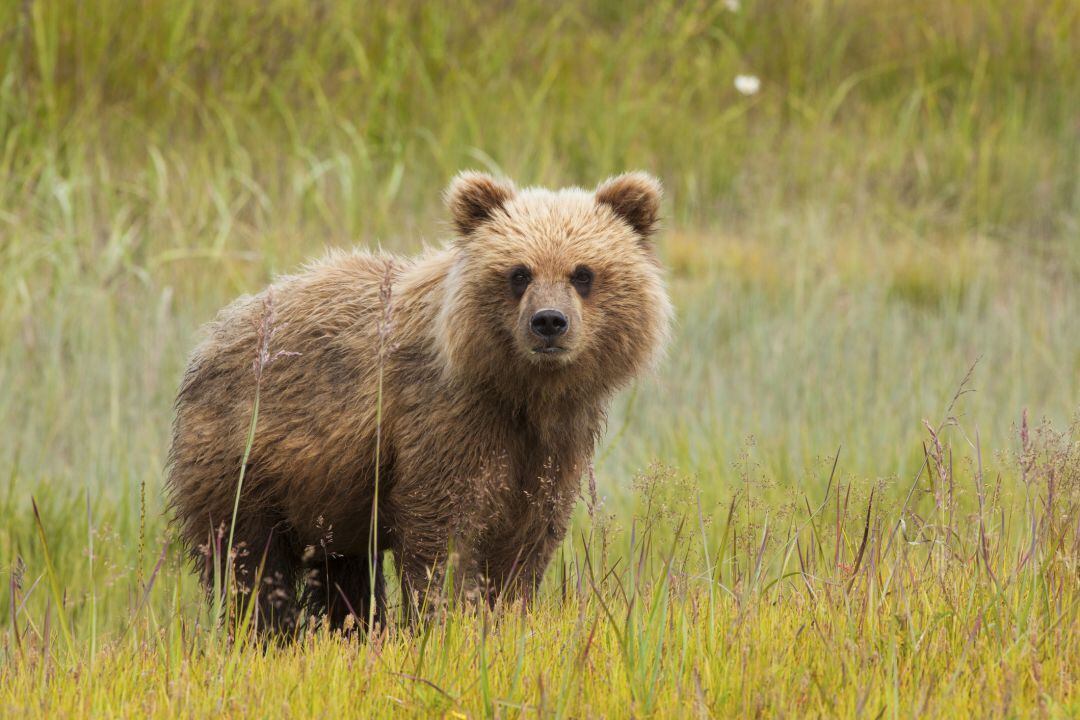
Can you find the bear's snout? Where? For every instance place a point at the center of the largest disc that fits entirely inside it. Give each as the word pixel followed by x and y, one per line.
pixel 549 324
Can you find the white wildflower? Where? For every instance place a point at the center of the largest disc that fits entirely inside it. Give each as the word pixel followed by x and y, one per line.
pixel 747 84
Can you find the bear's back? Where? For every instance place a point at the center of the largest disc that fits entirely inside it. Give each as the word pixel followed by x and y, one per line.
pixel 309 345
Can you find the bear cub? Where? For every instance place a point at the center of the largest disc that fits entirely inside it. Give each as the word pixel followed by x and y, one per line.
pixel 442 408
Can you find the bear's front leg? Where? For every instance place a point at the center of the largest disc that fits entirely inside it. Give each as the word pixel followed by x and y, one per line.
pixel 514 561
pixel 433 561
pixel 535 566
pixel 420 545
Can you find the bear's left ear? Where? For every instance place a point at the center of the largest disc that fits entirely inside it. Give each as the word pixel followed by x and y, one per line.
pixel 635 197
pixel 473 197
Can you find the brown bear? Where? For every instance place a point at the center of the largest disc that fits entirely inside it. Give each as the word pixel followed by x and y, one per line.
pixel 443 406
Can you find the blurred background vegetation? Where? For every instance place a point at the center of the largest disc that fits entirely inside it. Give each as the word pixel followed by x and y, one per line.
pixel 899 198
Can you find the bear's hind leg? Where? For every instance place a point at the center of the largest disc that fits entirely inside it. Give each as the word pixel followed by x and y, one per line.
pixel 342 586
pixel 265 571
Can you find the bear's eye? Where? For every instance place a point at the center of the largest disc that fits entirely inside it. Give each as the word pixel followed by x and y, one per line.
pixel 582 280
pixel 519 281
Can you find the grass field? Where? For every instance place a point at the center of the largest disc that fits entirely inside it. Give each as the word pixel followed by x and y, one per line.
pixel 852 489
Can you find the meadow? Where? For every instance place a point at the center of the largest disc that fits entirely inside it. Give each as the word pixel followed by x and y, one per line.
pixel 851 489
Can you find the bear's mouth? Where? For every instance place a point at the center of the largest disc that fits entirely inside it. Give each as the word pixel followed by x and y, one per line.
pixel 549 350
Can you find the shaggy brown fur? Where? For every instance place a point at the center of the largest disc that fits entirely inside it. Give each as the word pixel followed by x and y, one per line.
pixel 486 424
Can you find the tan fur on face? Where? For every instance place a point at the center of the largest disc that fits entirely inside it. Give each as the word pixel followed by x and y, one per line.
pixel 623 322
pixel 483 440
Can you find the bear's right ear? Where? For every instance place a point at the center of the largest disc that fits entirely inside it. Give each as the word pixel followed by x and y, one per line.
pixel 473 197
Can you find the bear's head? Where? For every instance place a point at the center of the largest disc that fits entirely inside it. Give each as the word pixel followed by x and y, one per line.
pixel 554 285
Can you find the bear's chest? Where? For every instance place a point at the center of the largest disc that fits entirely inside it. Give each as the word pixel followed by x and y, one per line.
pixel 528 474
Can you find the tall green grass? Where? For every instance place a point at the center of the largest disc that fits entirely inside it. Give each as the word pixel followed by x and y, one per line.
pixel 828 606
pixel 898 201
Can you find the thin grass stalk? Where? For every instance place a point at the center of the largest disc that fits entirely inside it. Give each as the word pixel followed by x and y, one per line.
pixel 54 584
pixel 385 329
pixel 93 584
pixel 228 555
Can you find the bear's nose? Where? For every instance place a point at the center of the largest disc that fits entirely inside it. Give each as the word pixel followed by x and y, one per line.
pixel 548 324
